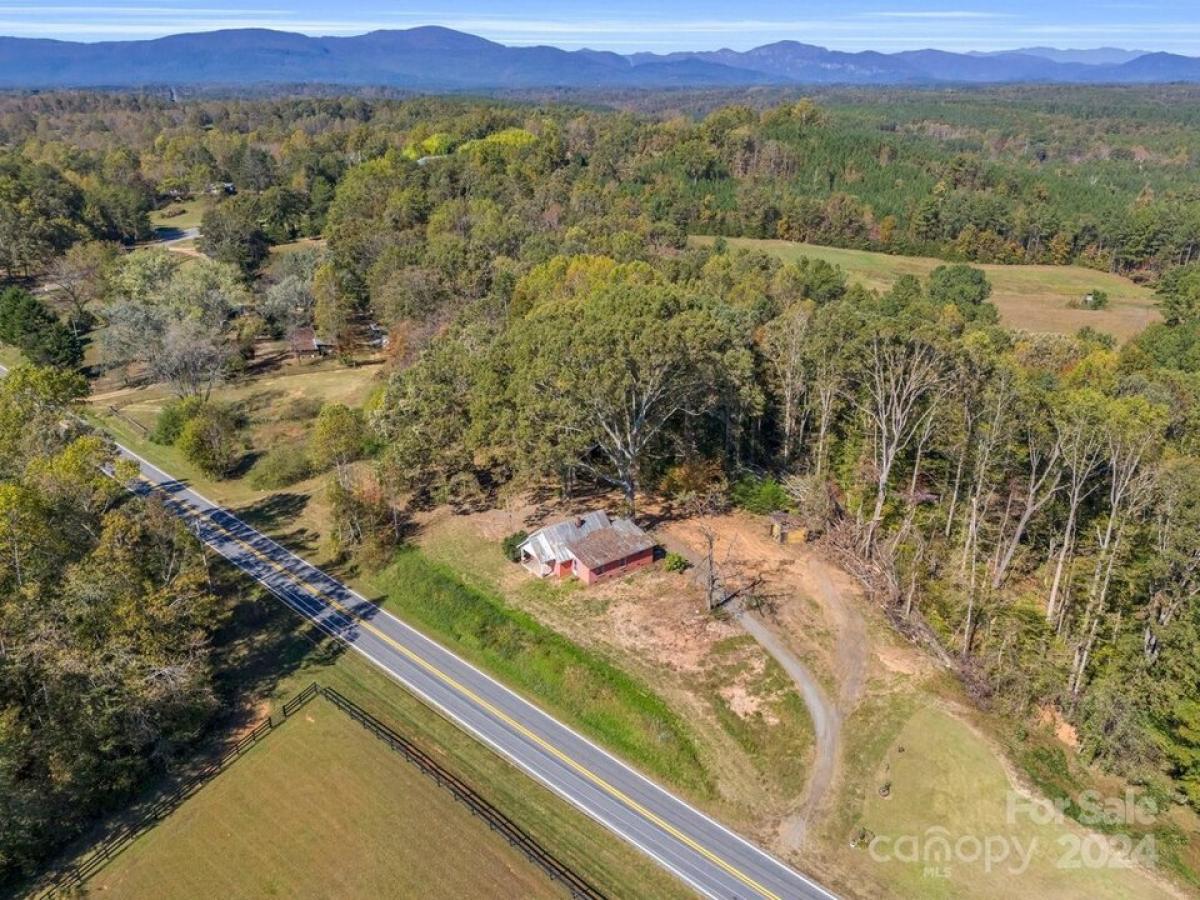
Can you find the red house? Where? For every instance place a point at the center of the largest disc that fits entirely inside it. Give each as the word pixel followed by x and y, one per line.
pixel 590 547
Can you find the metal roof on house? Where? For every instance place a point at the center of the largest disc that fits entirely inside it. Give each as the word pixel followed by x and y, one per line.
pixel 621 540
pixel 593 539
pixel 306 339
pixel 549 544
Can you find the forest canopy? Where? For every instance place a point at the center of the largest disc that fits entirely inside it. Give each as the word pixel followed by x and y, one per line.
pixel 105 616
pixel 1026 504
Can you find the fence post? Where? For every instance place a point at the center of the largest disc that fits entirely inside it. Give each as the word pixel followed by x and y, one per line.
pixel 103 852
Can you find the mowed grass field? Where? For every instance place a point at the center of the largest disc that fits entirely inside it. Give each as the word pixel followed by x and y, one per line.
pixel 321 808
pixel 945 782
pixel 180 215
pixel 1032 298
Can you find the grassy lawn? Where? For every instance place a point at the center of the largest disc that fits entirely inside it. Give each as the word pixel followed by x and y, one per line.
pixel 267 827
pixel 279 408
pixel 10 356
pixel 944 778
pixel 300 244
pixel 1033 298
pixel 180 215
pixel 277 396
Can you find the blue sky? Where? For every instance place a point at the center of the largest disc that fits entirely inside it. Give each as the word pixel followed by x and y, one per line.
pixel 626 25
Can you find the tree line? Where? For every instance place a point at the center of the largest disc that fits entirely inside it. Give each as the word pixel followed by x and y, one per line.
pixel 106 611
pixel 970 178
pixel 1029 501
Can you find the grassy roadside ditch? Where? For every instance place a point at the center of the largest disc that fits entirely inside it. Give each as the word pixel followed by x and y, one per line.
pixel 578 685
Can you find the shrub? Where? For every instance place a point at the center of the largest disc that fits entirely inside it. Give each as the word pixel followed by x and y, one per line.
pixel 209 440
pixel 1092 300
pixel 280 468
pixel 301 409
pixel 172 418
pixel 338 437
pixel 512 545
pixel 691 477
pixel 364 524
pixel 759 495
pixel 676 562
pixel 1089 335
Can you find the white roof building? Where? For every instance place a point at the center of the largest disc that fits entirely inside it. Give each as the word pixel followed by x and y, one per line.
pixel 586 546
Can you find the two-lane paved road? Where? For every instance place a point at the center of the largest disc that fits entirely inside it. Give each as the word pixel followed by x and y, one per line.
pixel 700 851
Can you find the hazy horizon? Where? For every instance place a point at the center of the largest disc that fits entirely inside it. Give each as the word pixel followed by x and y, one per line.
pixel 623 26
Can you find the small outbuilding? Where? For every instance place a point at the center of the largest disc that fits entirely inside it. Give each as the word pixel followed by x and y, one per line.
pixel 788 529
pixel 590 547
pixel 305 343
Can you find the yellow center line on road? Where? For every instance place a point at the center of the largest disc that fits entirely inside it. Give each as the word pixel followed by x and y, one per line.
pixel 615 792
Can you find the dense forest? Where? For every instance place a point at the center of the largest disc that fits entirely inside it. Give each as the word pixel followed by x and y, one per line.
pixel 105 614
pixel 988 176
pixel 1027 504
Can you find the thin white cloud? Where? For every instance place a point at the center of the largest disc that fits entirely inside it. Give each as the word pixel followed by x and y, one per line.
pixel 955 15
pixel 137 10
pixel 627 26
pixel 1163 28
pixel 180 26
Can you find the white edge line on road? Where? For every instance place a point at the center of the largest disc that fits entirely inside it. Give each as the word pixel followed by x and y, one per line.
pixel 745 842
pixel 755 848
pixel 462 724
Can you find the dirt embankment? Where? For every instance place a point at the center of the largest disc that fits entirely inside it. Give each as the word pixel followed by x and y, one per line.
pixel 809 624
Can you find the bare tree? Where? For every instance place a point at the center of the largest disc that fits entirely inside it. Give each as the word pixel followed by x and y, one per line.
pixel 1077 422
pixel 990 439
pixel 828 381
pixel 190 360
pixel 78 276
pixel 1043 449
pixel 714 588
pixel 1133 432
pixel 134 331
pixel 785 346
pixel 901 380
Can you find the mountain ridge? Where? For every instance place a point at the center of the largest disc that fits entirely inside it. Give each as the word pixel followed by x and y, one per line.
pixel 437 58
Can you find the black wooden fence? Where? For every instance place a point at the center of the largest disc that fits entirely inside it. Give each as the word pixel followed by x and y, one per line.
pixel 122 837
pixel 300 699
pixel 129 420
pixel 496 820
pixel 126 834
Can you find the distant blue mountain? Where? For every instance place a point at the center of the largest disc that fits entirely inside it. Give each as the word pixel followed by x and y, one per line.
pixel 440 59
pixel 1100 56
